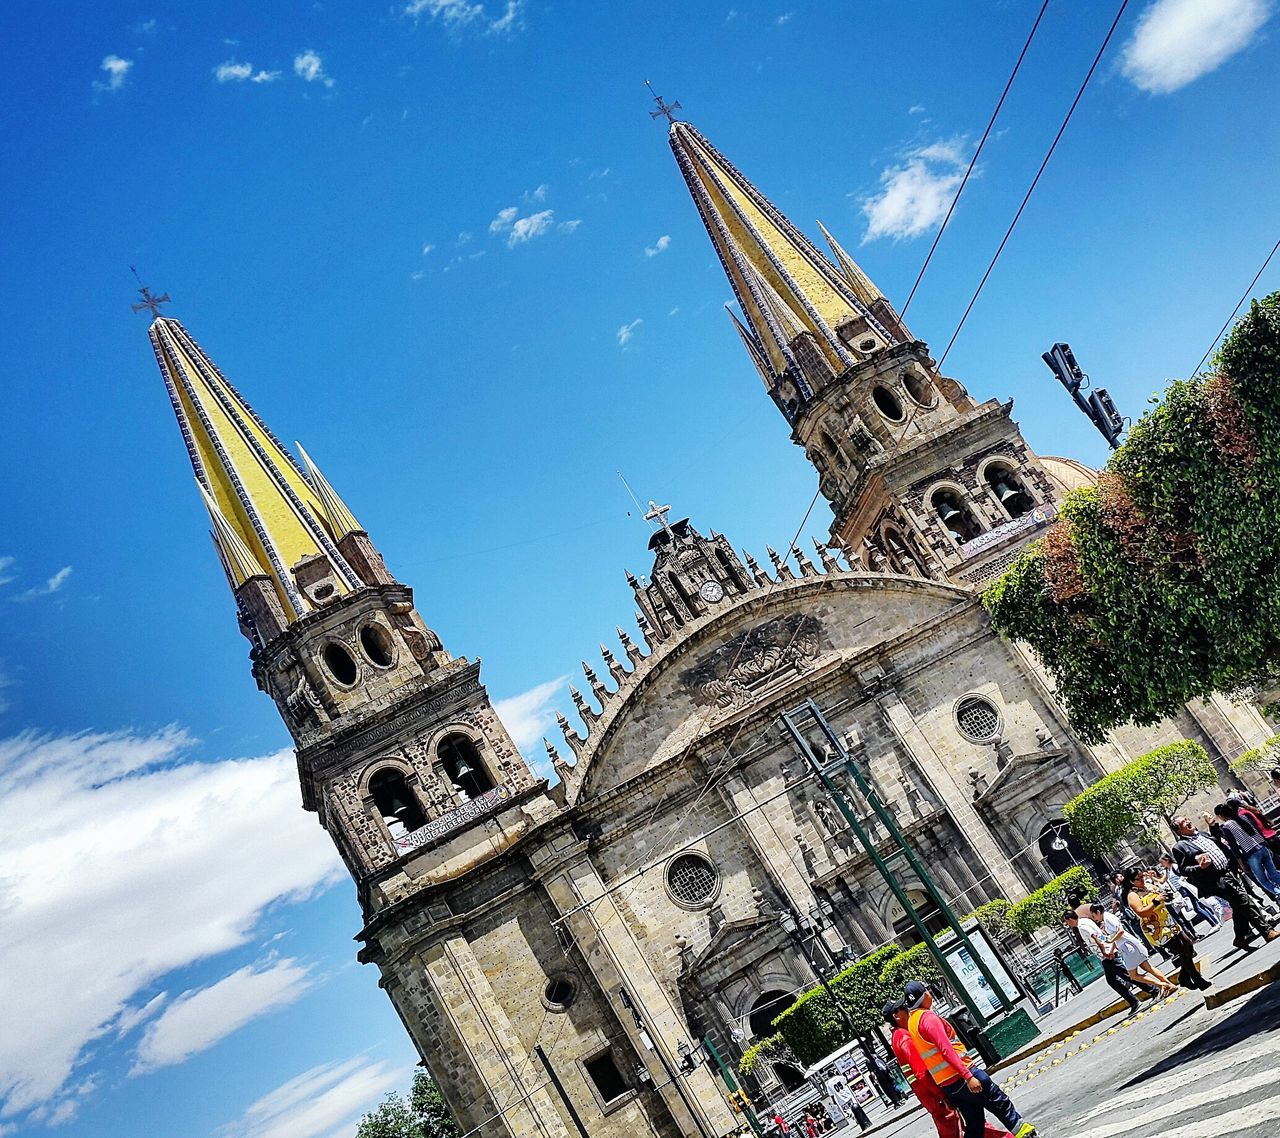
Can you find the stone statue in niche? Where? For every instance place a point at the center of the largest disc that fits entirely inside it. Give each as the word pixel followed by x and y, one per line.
pixel 731 674
pixel 826 814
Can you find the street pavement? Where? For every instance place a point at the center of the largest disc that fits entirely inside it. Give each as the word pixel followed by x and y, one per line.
pixel 1177 1069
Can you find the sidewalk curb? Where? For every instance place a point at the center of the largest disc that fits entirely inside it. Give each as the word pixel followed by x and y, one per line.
pixel 1243 987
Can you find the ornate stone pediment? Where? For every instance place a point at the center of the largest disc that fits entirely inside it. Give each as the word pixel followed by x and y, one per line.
pixel 734 673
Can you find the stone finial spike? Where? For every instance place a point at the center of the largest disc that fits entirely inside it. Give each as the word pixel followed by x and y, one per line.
pixel 780 567
pixel 806 566
pixel 571 737
pixel 762 578
pixel 829 563
pixel 646 630
pixel 598 689
pixel 631 580
pixel 616 670
pixel 558 763
pixel 629 647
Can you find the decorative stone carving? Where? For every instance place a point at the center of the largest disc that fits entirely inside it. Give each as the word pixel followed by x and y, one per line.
pixel 732 674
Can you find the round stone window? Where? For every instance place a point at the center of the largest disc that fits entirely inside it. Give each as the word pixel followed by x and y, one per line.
pixel 558 994
pixel 888 404
pixel 692 880
pixel 977 718
pixel 375 641
pixel 340 664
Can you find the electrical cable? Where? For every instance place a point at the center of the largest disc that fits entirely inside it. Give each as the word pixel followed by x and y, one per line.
pixel 974 161
pixel 1036 180
pixel 1244 296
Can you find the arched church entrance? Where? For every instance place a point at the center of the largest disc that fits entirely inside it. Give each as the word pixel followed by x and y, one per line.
pixel 904 929
pixel 768 1007
pixel 1060 848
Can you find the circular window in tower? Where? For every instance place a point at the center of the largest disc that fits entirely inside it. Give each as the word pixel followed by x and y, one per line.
pixel 692 880
pixel 887 404
pixel 376 643
pixel 920 389
pixel 558 994
pixel 978 719
pixel 340 664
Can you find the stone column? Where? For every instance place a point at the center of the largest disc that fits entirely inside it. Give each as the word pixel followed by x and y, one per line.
pixel 512 1079
pixel 765 839
pixel 618 962
pixel 917 745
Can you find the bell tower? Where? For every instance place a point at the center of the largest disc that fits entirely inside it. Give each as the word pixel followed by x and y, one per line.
pixel 921 479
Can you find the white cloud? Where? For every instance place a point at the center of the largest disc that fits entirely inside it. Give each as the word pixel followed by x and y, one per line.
pixel 785 18
pixel 308 65
pixel 426 248
pixel 6 567
pixel 145 27
pixel 326 1100
pixel 528 715
pixel 462 15
pixel 627 332
pixel 659 246
pixel 51 586
pixel 916 193
pixel 570 226
pixel 1177 41
pixel 122 863
pixel 198 1019
pixel 539 194
pixel 502 222
pixel 527 228
pixel 916 109
pixel 117 70
pixel 464 238
pixel 234 72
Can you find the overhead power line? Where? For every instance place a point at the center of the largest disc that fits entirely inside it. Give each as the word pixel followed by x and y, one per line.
pixel 1036 180
pixel 1243 297
pixel 974 161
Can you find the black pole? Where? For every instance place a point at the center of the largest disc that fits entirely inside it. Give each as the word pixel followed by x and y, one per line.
pixel 564 1098
pixel 826 987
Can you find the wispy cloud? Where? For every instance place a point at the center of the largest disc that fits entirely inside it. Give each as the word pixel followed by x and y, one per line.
pixel 527 228
pixel 569 226
pixel 52 585
pixel 785 18
pixel 502 222
pixel 145 27
pixel 101 836
pixel 529 715
pixel 233 72
pixel 198 1019
pixel 326 1100
pixel 462 15
pixel 308 65
pixel 627 332
pixel 537 194
pixel 6 569
pixel 1175 42
pixel 662 244
pixel 427 248
pixel 914 193
pixel 117 71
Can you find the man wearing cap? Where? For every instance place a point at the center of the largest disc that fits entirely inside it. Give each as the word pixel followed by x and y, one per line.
pixel 923 1087
pixel 948 1065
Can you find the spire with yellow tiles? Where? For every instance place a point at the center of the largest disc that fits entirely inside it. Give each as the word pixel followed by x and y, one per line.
pixel 785 287
pixel 269 515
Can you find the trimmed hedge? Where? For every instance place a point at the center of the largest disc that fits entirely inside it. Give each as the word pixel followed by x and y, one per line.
pixel 1134 799
pixel 994 918
pixel 916 963
pixel 1046 905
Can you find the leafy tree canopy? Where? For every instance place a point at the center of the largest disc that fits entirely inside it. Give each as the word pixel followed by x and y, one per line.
pixel 1133 801
pixel 425 1115
pixel 1162 582
pixel 1259 760
pixel 1046 905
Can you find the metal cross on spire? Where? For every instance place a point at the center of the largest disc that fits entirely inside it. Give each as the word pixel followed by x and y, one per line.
pixel 659 514
pixel 665 110
pixel 149 301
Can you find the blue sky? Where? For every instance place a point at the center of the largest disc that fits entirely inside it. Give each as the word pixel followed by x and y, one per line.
pixel 444 246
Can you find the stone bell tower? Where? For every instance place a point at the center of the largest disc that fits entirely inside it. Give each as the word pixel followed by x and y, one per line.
pixel 921 479
pixel 400 753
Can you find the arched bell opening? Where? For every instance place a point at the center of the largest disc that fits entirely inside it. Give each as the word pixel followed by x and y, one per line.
pixel 463 765
pixel 1009 490
pixel 956 516
pixel 395 803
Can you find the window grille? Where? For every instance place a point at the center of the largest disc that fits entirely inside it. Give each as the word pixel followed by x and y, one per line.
pixel 977 718
pixel 691 879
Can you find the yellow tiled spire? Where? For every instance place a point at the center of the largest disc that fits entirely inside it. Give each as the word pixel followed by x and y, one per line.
pixel 341 520
pixel 776 272
pixel 267 515
pixel 852 271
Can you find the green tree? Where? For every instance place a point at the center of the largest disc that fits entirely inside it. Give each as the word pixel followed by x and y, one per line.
pixel 1046 905
pixel 1136 799
pixel 1162 582
pixel 425 1115
pixel 1259 760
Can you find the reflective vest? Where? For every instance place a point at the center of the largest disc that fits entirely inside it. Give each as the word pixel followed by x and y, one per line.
pixel 940 1070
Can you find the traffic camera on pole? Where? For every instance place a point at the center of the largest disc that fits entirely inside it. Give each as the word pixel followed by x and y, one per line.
pixel 1097 405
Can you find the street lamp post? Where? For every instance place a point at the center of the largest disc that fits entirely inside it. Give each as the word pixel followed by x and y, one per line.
pixel 792 926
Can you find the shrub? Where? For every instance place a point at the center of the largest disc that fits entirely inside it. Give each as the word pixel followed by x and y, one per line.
pixel 1133 800
pixel 994 918
pixel 916 963
pixel 1046 905
pixel 1260 760
pixel 1162 582
pixel 770 1047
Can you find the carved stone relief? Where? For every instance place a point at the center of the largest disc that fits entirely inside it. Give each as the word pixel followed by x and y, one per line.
pixel 734 672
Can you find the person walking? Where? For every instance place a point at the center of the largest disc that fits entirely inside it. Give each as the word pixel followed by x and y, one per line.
pixel 945 1118
pixel 884 1079
pixel 1248 806
pixel 971 1091
pixel 1175 882
pixel 1243 838
pixel 1204 863
pixel 1143 898
pixel 1112 970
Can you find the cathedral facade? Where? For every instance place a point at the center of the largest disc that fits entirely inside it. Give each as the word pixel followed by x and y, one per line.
pixel 557 951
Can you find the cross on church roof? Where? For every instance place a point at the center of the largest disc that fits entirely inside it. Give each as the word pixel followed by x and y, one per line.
pixel 149 301
pixel 665 110
pixel 659 514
